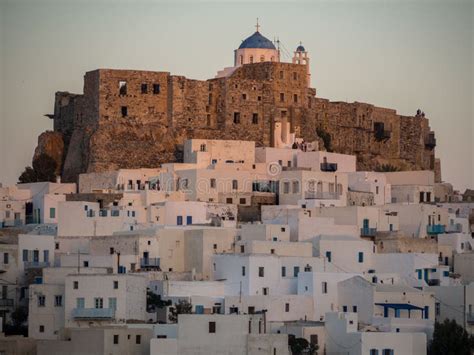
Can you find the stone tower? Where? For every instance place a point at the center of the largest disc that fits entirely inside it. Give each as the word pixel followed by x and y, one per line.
pixel 301 57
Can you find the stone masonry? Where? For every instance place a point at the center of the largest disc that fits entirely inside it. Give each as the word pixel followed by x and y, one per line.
pixel 138 119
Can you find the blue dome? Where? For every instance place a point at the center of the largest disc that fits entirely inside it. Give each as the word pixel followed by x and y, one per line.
pixel 300 48
pixel 257 41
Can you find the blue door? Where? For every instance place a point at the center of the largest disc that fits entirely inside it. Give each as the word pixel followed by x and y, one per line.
pixel 179 220
pixel 189 219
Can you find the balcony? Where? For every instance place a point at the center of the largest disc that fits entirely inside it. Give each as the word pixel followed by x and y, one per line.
pixel 36 264
pixel 93 313
pixel 430 141
pixel 435 229
pixel 470 318
pixel 454 228
pixel 321 195
pixel 149 263
pixel 331 167
pixel 368 232
pixel 6 302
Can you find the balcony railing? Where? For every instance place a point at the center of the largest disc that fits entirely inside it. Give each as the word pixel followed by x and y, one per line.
pixel 470 318
pixel 328 166
pixel 435 229
pixel 321 196
pixel 6 302
pixel 36 264
pixel 150 262
pixel 93 313
pixel 454 228
pixel 368 232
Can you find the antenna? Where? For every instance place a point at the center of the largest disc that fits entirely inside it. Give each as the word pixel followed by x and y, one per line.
pixel 257 26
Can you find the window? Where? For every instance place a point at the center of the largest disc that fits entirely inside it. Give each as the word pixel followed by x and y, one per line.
pixel 255 118
pixel 243 270
pixel 98 302
pixel 179 220
pixel 387 352
pixel 262 58
pixel 58 301
pixel 296 187
pixel 283 271
pixel 354 309
pixel 115 284
pixel 5 258
pixel 214 246
pixel 374 352
pixel 76 285
pixel 122 88
pixel 112 250
pixel 361 257
pixel 282 97
pixel 46 256
pixel 242 249
pixel 244 96
pixel 287 307
pixel 376 190
pixel 281 74
pixel 41 301
pixel 251 310
pixel 116 339
pixel 236 117
pixel 344 309
pixel 212 327
pixel 265 291
pixel 85 263
pixel 259 98
pixel 229 200
pixel 56 246
pixel 243 201
pixel 124 111
pixel 286 187
pixel 41 328
pixel 138 339
pixel 52 212
pixel 272 251
pixel 251 59
pixel 144 88
pixel 25 255
pixel 80 302
pixel 295 98
pixel 235 184
pixel 156 89
pixel 296 271
pixel 189 220
pixel 437 309
pixel 261 271
pixel 313 339
pixel 324 287
pixel 328 256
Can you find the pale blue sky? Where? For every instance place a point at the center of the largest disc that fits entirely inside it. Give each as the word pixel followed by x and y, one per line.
pixel 398 54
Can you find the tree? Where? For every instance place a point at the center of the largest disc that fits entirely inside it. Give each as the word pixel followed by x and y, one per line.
pixel 17 323
pixel 326 137
pixel 182 307
pixel 44 169
pixel 300 346
pixel 154 301
pixel 449 338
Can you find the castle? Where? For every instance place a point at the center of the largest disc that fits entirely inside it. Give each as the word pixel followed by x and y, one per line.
pixel 133 118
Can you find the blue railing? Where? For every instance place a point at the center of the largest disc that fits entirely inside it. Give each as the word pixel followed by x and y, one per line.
pixel 36 264
pixel 150 262
pixel 435 229
pixel 93 313
pixel 328 166
pixel 368 232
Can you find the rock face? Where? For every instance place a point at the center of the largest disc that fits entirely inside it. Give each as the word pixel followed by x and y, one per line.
pixel 51 144
pixel 131 119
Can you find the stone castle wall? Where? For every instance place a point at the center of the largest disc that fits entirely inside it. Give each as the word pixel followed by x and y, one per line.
pixel 106 128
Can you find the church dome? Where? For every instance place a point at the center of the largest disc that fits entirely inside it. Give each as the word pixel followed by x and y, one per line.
pixel 300 48
pixel 257 41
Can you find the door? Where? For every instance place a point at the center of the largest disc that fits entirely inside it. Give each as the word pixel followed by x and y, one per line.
pixel 189 220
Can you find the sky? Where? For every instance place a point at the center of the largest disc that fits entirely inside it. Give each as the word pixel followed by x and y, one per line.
pixel 401 54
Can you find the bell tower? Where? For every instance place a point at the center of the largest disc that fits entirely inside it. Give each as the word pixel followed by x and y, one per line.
pixel 301 57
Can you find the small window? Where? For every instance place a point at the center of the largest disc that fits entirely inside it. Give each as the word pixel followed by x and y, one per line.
pixel 179 220
pixel 261 271
pixel 354 309
pixel 361 257
pixel 251 59
pixel 116 339
pixel 56 246
pixel 52 212
pixel 85 263
pixel 295 75
pixel 328 256
pixel 244 96
pixel 243 270
pixel 41 301
pixel 243 201
pixel 76 285
pixel 265 291
pixel 344 309
pixel 324 287
pixel 138 339
pixel 5 258
pixel 122 88
pixel 124 111
pixel 235 184
pixel 229 200
pixel 214 246
pixel 255 118
pixel 115 284
pixel 99 302
pixel 283 271
pixel 41 328
pixel 296 271
pixel 58 301
pixel 212 327
pixel 281 74
pixel 112 250
pixel 242 249
pixel 236 117
pixel 295 98
pixel 282 97
pixel 259 98
pixel 156 89
pixel 287 307
pixel 213 183
pixel 144 88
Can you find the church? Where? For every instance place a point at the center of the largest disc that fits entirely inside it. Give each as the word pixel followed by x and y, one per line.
pixel 136 118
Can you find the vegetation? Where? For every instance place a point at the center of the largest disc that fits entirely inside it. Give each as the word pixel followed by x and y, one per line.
pixel 300 346
pixel 44 169
pixel 182 307
pixel 449 338
pixel 326 137
pixel 17 325
pixel 154 301
pixel 386 168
